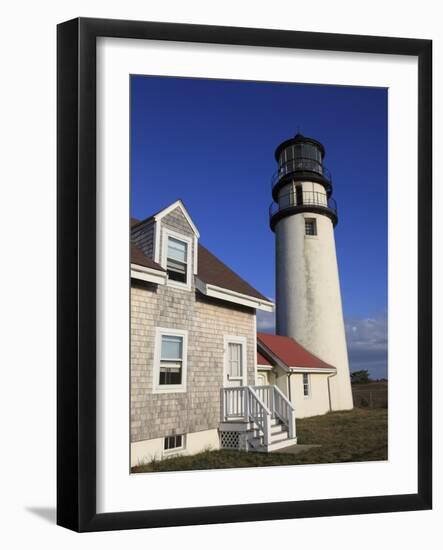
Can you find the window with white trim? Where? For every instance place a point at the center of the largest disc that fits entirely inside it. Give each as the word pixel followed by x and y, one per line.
pixel 170 360
pixel 235 360
pixel 174 442
pixel 306 385
pixel 177 260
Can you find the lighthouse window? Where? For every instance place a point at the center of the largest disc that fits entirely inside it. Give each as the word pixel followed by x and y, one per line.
pixel 177 260
pixel 310 226
pixel 308 157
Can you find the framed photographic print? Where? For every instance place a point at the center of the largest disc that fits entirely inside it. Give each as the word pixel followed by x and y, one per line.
pixel 244 274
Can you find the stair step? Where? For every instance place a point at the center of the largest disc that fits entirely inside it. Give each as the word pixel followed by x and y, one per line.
pixel 283 436
pixel 274 446
pixel 278 428
pixel 277 437
pixel 255 444
pixel 280 445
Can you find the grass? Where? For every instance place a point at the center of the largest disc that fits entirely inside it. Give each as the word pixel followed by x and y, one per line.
pixel 349 436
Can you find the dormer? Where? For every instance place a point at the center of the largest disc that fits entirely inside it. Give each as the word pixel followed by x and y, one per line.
pixel 170 238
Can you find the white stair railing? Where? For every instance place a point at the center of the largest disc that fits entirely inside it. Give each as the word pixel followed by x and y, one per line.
pixel 279 405
pixel 243 404
pixel 285 411
pixel 233 403
pixel 265 394
pixel 260 414
pixel 258 404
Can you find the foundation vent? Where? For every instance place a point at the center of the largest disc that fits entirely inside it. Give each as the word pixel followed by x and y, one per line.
pixel 229 440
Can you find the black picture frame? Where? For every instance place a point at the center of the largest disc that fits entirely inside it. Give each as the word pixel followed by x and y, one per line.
pixel 76 295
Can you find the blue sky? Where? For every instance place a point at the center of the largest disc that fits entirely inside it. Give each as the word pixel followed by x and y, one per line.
pixel 211 143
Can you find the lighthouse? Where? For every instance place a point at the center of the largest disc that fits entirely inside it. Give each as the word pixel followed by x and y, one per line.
pixel 303 216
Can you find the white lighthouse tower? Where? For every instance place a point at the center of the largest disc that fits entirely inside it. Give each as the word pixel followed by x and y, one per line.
pixel 308 300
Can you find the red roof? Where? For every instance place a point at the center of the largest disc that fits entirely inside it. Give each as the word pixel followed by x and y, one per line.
pixel 290 352
pixel 262 360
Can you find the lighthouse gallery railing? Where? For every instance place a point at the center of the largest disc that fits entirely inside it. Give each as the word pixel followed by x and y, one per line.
pixel 305 198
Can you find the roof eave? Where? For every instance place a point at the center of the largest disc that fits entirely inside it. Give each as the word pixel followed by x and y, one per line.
pixel 148 274
pixel 229 295
pixel 177 204
pixel 270 355
pixel 318 370
pixel 264 367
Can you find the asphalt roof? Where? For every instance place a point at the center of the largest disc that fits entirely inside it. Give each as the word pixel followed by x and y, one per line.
pixel 139 258
pixel 211 270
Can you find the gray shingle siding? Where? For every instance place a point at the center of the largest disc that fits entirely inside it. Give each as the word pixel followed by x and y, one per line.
pixel 143 236
pixel 207 322
pixel 176 221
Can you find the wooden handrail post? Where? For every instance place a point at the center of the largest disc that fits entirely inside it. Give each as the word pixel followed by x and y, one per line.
pixel 246 403
pixel 222 404
pixel 267 429
pixel 292 425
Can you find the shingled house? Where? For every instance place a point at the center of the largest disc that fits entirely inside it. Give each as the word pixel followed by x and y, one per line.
pixel 201 376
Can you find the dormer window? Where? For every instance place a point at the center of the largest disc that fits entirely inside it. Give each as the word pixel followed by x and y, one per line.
pixel 177 260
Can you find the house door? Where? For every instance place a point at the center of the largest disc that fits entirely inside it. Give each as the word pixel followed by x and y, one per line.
pixel 234 363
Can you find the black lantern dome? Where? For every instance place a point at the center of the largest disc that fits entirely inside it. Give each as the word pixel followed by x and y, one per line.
pixel 299 159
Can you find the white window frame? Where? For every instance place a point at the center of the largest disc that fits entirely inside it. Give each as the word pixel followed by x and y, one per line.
pixel 189 260
pixel 233 339
pixel 169 388
pixel 308 376
pixel 174 449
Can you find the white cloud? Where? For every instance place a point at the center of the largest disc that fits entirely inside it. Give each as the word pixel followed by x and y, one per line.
pixel 367 340
pixel 266 321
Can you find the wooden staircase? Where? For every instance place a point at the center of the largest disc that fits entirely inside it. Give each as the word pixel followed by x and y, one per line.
pixel 279 439
pixel 262 416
